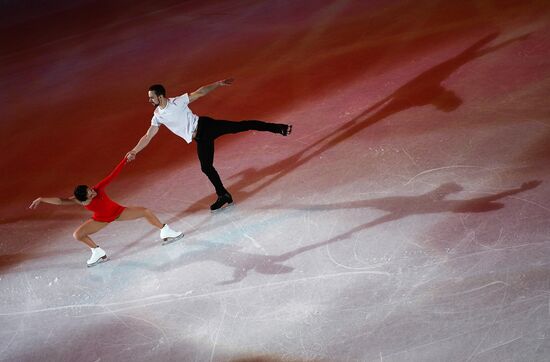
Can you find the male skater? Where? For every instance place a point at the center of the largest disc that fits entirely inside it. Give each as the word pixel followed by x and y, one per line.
pixel 175 114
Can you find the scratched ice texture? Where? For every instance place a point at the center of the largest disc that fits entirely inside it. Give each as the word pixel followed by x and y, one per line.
pixel 407 217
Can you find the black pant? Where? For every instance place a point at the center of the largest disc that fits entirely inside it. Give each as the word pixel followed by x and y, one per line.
pixel 209 129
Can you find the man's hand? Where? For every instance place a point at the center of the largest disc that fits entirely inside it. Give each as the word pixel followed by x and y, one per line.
pixel 130 156
pixel 225 82
pixel 35 203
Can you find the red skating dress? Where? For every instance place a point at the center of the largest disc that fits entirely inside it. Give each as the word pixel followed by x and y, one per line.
pixel 105 209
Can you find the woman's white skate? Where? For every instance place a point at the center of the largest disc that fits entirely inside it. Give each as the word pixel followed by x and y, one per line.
pixel 169 236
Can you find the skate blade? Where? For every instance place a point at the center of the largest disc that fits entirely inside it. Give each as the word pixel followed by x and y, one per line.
pixel 288 131
pixel 99 261
pixel 224 207
pixel 167 241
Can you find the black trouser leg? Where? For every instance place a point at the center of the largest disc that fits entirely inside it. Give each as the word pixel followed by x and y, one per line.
pixel 205 151
pixel 209 129
pixel 214 128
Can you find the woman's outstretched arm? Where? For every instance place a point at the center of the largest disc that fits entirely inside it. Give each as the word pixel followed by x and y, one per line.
pixel 54 201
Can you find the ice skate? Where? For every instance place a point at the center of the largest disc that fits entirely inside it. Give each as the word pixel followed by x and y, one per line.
pixel 168 235
pixel 221 201
pixel 286 129
pixel 98 256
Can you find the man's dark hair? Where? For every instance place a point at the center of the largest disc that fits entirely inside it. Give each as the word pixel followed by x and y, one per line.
pixel 158 89
pixel 81 193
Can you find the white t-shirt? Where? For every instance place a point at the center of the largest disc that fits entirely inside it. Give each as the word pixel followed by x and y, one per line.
pixel 177 117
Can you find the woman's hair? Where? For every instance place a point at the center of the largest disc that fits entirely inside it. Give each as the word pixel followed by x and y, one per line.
pixel 81 193
pixel 158 89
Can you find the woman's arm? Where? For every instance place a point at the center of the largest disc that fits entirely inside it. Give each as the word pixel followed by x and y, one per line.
pixel 107 180
pixel 54 201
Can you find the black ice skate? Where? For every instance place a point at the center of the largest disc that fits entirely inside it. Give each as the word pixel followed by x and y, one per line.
pixel 286 129
pixel 221 201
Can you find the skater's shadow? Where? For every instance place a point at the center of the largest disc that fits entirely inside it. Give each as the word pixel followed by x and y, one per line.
pixel 229 255
pixel 396 207
pixel 425 89
pixel 430 203
pixel 10 262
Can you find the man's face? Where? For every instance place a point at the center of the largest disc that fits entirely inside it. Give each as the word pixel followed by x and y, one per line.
pixel 153 98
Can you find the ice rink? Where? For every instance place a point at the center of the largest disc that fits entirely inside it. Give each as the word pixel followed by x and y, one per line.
pixel 407 217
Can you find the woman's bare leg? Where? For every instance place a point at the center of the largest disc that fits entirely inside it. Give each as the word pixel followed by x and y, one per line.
pixel 137 212
pixel 88 228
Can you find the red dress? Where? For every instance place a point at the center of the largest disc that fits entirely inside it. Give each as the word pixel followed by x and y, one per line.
pixel 105 209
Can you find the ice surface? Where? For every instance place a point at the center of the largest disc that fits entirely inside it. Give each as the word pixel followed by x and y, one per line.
pixel 407 217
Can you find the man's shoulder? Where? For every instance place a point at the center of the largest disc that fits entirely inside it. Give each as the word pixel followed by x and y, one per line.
pixel 156 119
pixel 183 99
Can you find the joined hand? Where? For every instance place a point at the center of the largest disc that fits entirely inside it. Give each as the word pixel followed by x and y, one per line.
pixel 130 156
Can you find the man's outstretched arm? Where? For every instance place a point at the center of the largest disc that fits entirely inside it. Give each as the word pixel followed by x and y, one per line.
pixel 143 142
pixel 204 90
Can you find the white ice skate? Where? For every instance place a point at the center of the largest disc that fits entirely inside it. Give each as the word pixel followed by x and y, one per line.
pixel 168 235
pixel 98 256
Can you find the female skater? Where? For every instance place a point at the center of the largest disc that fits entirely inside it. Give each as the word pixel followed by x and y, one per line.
pixel 105 211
